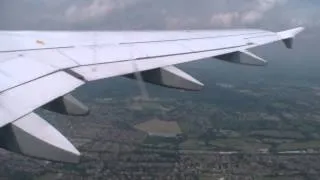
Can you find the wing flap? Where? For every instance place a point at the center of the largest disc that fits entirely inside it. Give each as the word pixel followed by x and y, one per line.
pixel 18 68
pixel 21 70
pixel 96 54
pixel 107 70
pixel 23 99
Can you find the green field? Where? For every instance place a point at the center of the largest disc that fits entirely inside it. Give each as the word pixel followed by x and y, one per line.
pixel 299 145
pixel 277 134
pixel 246 145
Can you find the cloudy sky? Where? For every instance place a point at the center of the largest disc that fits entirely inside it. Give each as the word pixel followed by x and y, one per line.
pixel 157 14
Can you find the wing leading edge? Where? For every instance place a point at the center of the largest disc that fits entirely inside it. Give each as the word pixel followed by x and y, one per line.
pixel 40 69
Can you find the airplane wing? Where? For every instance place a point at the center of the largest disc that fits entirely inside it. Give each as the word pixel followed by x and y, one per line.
pixel 40 69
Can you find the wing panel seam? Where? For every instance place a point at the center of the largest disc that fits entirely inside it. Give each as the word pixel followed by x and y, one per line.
pixel 185 39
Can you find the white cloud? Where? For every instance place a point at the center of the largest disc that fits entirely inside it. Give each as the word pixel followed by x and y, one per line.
pixel 95 10
pixel 145 14
pixel 258 12
pixel 254 12
pixel 225 19
pixel 250 12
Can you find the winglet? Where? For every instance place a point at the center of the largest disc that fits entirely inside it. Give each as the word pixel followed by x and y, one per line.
pixel 288 36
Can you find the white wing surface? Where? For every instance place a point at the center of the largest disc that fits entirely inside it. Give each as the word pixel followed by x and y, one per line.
pixel 40 69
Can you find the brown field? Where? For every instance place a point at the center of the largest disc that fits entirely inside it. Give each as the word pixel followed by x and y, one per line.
pixel 156 126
